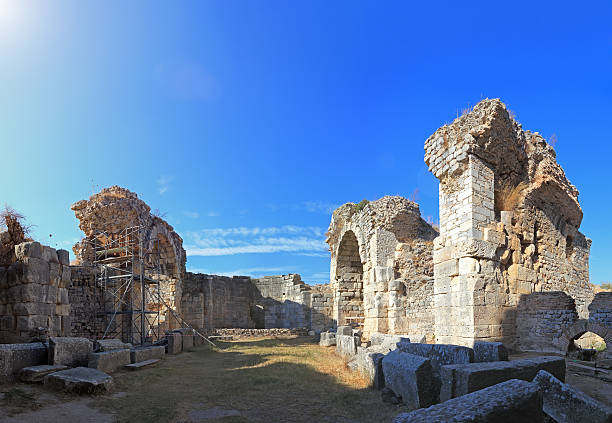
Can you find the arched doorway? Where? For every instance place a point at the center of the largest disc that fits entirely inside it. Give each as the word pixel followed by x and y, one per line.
pixel 587 340
pixel 349 279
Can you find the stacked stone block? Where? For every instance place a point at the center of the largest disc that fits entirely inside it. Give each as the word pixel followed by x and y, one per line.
pixel 34 303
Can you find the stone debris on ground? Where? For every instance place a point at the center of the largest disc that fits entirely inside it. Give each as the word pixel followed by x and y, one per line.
pixel 36 374
pixel 80 380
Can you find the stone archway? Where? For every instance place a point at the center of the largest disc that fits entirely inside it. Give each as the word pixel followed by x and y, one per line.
pixel 349 281
pixel 581 327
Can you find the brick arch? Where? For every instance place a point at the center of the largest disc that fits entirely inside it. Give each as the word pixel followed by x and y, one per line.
pixel 579 328
pixel 171 254
pixel 348 257
pixel 349 280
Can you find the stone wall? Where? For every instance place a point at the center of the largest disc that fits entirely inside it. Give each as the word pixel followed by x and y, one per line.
pixel 600 310
pixel 212 301
pixel 509 226
pixel 86 303
pixel 381 266
pixel 284 301
pixel 34 293
pixel 542 317
pixel 321 298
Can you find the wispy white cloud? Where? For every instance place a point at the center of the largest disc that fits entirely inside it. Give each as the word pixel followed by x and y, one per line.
pixel 191 214
pixel 213 214
pixel 248 240
pixel 315 206
pixel 163 184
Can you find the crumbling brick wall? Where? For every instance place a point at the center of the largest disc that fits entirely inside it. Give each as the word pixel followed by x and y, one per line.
pixel 34 293
pixel 86 303
pixel 541 319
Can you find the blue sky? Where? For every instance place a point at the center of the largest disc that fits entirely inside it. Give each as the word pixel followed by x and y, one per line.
pixel 247 122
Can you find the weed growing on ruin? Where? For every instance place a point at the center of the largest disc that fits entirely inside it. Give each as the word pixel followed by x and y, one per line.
pixel 359 206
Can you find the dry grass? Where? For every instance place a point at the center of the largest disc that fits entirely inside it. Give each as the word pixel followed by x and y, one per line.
pixel 265 380
pixel 509 196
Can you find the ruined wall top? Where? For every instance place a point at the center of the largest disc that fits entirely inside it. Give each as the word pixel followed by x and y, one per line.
pixel 396 214
pixel 114 209
pixel 515 156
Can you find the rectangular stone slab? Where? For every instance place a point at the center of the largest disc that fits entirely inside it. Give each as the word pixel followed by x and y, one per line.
pixel 109 361
pixel 142 364
pixel 36 374
pixel 411 377
pixel 508 402
pixel 187 342
pixel 175 343
pixel 14 357
pixel 461 379
pixel 327 339
pixel 485 352
pixel 146 353
pixel 82 380
pixel 110 344
pixel 568 405
pixel 69 351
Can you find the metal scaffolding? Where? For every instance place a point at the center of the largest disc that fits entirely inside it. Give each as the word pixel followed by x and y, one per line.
pixel 130 271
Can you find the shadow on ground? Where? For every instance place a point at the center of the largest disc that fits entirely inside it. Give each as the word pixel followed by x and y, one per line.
pixel 264 380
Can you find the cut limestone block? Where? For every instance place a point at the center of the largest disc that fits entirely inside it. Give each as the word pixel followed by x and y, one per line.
pixel 110 344
pixel 327 339
pixel 14 357
pixel 489 351
pixel 175 343
pixel 388 342
pixel 346 344
pixel 369 364
pixel 513 401
pixel 142 364
pixel 146 353
pixel 568 405
pixel 187 342
pixel 69 351
pixel 79 380
pixel 36 374
pixel 461 379
pixel 109 361
pixel 411 377
pixel 439 354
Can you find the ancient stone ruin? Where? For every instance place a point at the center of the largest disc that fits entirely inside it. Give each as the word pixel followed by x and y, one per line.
pixel 427 313
pixel 381 269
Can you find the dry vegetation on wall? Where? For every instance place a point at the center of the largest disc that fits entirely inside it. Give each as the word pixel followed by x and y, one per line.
pixel 508 196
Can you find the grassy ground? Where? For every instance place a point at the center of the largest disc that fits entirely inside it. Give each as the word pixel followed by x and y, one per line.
pixel 263 380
